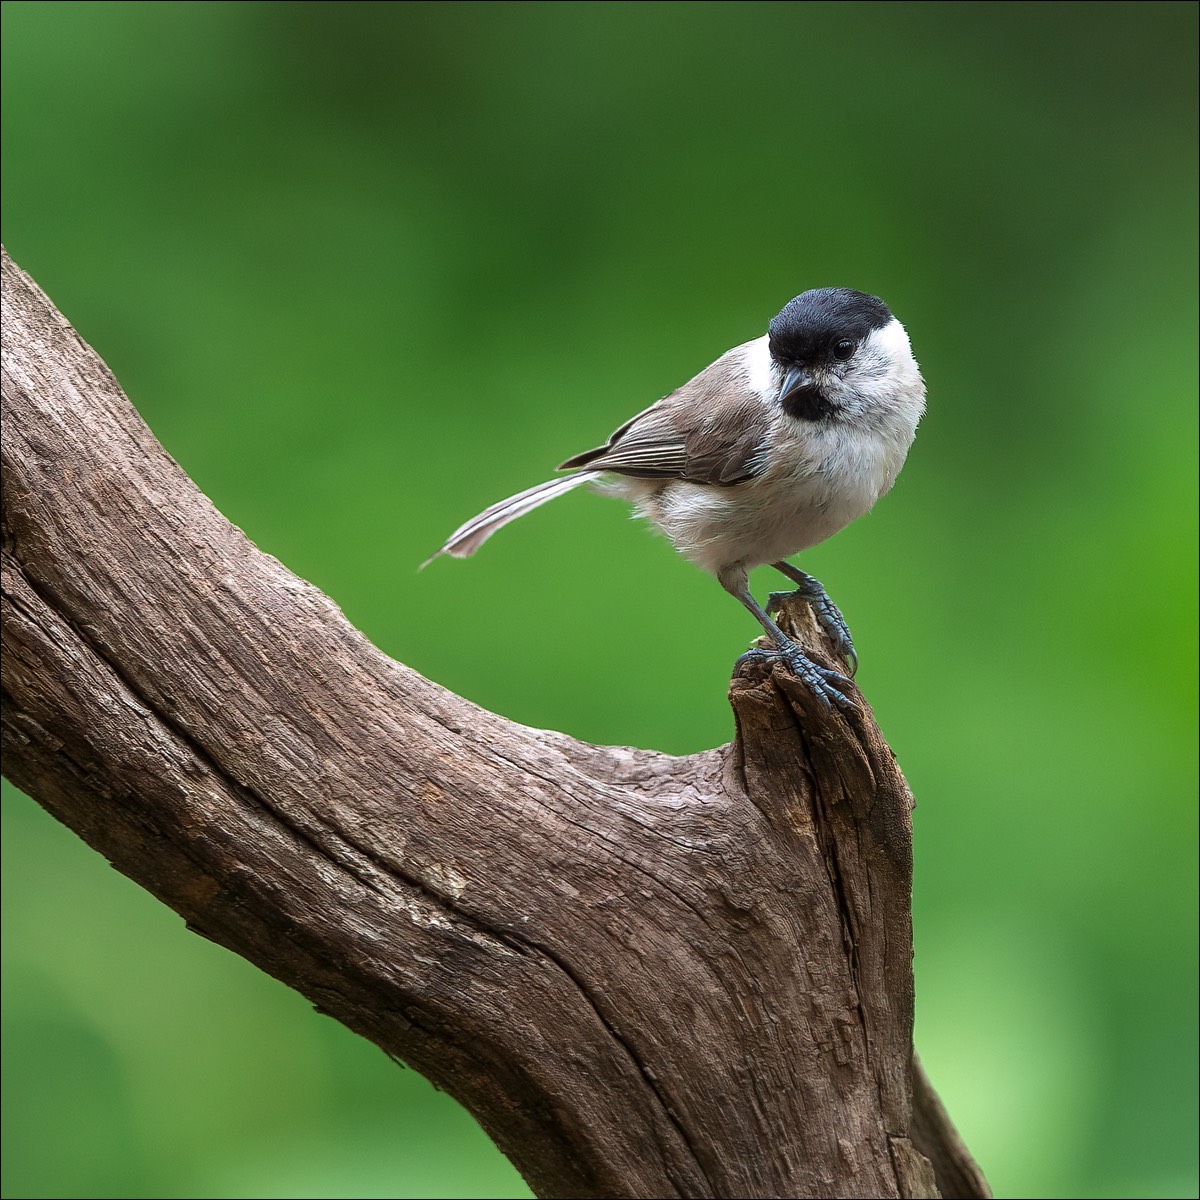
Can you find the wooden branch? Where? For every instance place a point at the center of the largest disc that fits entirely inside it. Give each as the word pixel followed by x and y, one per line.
pixel 644 975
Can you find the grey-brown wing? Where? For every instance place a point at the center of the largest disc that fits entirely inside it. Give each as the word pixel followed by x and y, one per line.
pixel 696 433
pixel 727 446
pixel 650 446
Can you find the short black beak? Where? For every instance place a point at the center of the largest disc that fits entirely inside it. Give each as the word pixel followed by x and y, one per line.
pixel 797 378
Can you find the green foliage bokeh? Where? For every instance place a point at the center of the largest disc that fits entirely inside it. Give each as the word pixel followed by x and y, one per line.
pixel 365 268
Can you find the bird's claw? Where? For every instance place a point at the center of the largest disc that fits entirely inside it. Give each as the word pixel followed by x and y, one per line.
pixel 829 618
pixel 823 683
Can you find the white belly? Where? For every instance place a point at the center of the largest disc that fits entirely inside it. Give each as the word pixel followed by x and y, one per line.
pixel 829 478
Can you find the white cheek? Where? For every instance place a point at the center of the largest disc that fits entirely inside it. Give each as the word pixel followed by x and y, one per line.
pixel 884 379
pixel 892 340
pixel 890 347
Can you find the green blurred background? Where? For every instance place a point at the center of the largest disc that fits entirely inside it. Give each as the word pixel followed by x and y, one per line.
pixel 365 268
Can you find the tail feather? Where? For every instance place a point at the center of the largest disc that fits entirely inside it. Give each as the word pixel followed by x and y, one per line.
pixel 466 539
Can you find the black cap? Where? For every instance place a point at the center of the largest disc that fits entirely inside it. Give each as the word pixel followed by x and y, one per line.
pixel 814 322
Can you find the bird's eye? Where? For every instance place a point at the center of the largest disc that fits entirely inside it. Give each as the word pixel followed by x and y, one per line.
pixel 843 350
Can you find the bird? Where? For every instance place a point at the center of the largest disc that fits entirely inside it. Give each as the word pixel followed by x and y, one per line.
pixel 771 449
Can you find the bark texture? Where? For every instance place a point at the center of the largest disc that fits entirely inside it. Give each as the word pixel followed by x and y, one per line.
pixel 645 975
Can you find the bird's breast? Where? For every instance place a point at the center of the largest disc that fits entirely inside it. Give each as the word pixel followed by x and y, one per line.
pixel 814 483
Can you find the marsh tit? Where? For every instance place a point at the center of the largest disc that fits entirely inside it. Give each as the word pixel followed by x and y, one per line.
pixel 776 446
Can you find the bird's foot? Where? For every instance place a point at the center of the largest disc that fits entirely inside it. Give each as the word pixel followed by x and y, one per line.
pixel 828 616
pixel 825 684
